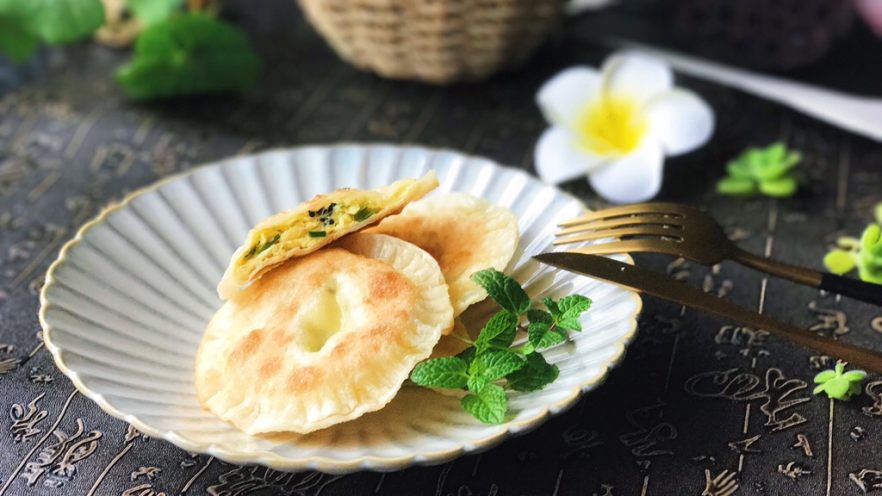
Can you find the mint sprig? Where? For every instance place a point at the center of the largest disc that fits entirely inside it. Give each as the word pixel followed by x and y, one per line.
pixel 492 364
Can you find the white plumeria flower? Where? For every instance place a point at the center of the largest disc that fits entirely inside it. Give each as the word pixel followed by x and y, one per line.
pixel 617 125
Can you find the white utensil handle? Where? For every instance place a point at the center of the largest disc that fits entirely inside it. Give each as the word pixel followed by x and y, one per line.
pixel 576 7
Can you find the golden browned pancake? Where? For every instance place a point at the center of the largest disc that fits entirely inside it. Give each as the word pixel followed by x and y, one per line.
pixel 465 234
pixel 316 223
pixel 323 338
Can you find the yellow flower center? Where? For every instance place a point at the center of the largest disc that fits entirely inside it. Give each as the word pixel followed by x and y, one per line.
pixel 611 126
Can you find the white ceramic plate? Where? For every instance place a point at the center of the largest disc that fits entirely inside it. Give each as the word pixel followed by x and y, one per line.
pixel 125 304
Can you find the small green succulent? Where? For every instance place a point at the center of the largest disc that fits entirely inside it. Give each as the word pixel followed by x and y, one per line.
pixel 864 253
pixel 839 384
pixel 767 171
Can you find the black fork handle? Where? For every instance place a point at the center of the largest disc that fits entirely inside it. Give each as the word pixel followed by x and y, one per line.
pixel 845 286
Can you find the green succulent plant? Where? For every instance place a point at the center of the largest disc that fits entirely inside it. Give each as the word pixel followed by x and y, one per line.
pixel 839 384
pixel 767 171
pixel 865 253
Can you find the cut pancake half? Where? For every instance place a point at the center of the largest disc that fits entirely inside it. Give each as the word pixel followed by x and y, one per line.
pixel 314 224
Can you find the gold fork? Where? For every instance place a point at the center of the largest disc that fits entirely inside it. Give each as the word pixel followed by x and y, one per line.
pixel 687 232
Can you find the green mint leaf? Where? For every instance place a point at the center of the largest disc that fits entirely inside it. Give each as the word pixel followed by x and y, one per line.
pixel 499 332
pixel 536 316
pixel 488 406
pixel 504 290
pixel 150 12
pixel 190 54
pixel 476 383
pixel 569 309
pixel 446 372
pixel 494 364
pixel 534 375
pixel 541 336
pixel 839 262
pixel 566 312
pixel 15 42
pixel 55 21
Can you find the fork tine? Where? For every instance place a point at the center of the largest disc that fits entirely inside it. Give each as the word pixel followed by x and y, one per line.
pixel 648 230
pixel 653 219
pixel 631 246
pixel 636 209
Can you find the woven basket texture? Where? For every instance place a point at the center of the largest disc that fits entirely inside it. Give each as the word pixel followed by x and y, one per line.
pixel 437 41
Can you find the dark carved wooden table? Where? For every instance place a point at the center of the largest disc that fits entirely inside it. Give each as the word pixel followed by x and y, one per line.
pixel 698 407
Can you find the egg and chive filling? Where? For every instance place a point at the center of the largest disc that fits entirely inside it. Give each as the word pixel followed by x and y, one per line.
pixel 303 232
pixel 314 224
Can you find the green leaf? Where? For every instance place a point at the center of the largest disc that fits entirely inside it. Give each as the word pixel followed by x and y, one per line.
pixel 499 332
pixel 504 290
pixel 488 406
pixel 839 262
pixel 534 375
pixel 534 315
pixel 791 159
pixel 476 383
pixel 446 372
pixel 739 169
pixel 494 364
pixel 825 376
pixel 867 274
pixel 542 336
pixel 467 355
pixel 779 188
pixel 736 186
pixel 567 311
pixel 837 388
pixel 15 42
pixel 854 389
pixel 854 375
pixel 190 54
pixel 870 236
pixel 55 21
pixel 848 243
pixel 150 12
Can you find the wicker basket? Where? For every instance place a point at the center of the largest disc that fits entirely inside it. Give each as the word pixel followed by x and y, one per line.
pixel 437 41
